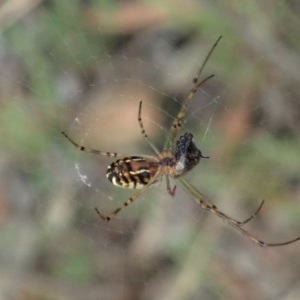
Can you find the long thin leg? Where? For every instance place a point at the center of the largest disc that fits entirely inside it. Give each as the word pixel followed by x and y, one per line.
pixel 177 123
pixel 90 150
pixel 259 242
pixel 239 223
pixel 236 225
pixel 200 199
pixel 143 131
pixel 126 203
pixel 170 190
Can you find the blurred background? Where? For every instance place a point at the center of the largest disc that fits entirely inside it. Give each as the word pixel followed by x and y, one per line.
pixel 83 67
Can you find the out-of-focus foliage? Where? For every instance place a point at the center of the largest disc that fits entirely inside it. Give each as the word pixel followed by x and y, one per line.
pixel 83 67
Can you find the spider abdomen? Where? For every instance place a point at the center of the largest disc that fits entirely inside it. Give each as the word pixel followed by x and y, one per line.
pixel 131 172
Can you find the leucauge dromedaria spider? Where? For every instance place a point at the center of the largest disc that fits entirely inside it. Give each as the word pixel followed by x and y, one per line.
pixel 178 157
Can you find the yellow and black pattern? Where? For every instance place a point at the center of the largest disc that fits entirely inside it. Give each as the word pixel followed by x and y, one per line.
pixel 132 172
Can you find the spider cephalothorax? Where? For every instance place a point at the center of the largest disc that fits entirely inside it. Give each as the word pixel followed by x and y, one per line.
pixel 178 157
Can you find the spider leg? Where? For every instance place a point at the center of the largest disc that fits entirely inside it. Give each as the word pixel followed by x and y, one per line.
pixel 110 216
pixel 196 85
pixel 236 225
pixel 212 208
pixel 90 150
pixel 177 123
pixel 143 131
pixel 200 199
pixel 259 242
pixel 241 223
pixel 170 190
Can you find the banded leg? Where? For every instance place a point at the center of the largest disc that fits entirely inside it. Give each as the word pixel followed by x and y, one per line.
pixel 200 199
pixel 143 131
pixel 235 224
pixel 126 203
pixel 196 85
pixel 90 150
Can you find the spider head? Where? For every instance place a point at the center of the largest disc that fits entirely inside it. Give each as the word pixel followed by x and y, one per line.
pixel 187 155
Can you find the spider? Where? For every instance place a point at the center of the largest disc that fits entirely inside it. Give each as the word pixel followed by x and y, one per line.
pixel 179 156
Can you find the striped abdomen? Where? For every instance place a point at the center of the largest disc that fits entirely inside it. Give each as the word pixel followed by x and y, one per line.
pixel 132 172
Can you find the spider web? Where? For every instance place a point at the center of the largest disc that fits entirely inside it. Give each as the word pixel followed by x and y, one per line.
pixel 69 72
